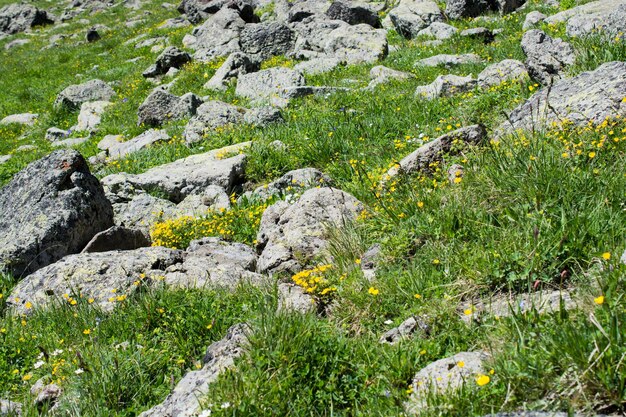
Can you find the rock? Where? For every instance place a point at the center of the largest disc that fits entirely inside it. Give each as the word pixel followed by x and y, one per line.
pixel 26 148
pixel 296 180
pixel 290 236
pixel 411 16
pixel 213 198
pixel 184 401
pixel 90 115
pixel 15 18
pixel 144 43
pixel 546 58
pixel 603 16
pixel 292 298
pixel 187 105
pixel 536 414
pixel 103 276
pixel 10 409
pixel 369 261
pixel 623 258
pixel 420 160
pixel 318 65
pixel 445 86
pixel 455 171
pixel 67 143
pixel 304 9
pixel 142 212
pixel 55 134
pixel 445 375
pixel 27 119
pixel 184 177
pixel 507 70
pixel 382 75
pixel 457 9
pixel 75 95
pixel 46 395
pixel 218 36
pixel 116 238
pixel 161 106
pixel 532 19
pixel 262 116
pixel 264 40
pixel 313 33
pixel 237 63
pixel 50 209
pixel 353 13
pixel 439 30
pixel 209 116
pixel 119 150
pixel 175 23
pixel 448 60
pixel 405 330
pixel 16 43
pixel 92 35
pixel 5 158
pixel 171 57
pixel 267 85
pixel 357 44
pixel 484 34
pixel 589 97
pixel 543 302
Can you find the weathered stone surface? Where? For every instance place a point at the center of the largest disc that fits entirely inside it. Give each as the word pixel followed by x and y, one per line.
pixel 117 238
pixel 27 119
pixel 68 143
pixel 532 19
pixel 439 30
pixel 142 211
pixel 171 57
pixel 185 176
pixel 353 13
pixel 535 414
pixel 444 86
pixel 75 95
pixel 161 106
pixel 46 395
pixel 263 40
pixel 237 63
pixel 318 65
pixel 263 86
pixel 296 181
pixel 90 115
pixel 212 198
pixel 448 60
pixel 262 116
pixel 218 36
pixel 357 44
pixel 411 16
pixel 103 276
pixel 369 261
pixel 313 35
pixel 50 209
pixel 5 158
pixel 15 18
pixel 118 150
pixel 603 16
pixel 10 408
pixel 382 75
pixel 209 116
pixel 290 235
pixel 405 330
pixel 445 375
pixel 546 58
pixel 16 43
pixel 420 160
pixel 184 401
pixel 55 134
pixel 507 70
pixel 590 96
pixel 292 298
pixel 456 9
pixel 304 9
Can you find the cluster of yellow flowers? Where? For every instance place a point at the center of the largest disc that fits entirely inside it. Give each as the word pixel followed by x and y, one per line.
pixel 314 282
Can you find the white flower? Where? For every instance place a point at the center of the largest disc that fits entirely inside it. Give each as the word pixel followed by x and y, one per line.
pixel 79 371
pixel 205 413
pixel 225 405
pixel 57 352
pixel 388 321
pixel 38 364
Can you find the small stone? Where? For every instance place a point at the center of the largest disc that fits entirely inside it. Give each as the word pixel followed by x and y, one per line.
pixel 26 119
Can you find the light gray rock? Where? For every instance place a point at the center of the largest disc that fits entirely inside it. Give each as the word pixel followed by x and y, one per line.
pixel 218 36
pixel 290 236
pixel 141 212
pixel 445 375
pixel 382 75
pixel 293 181
pixel 213 198
pixel 357 44
pixel 313 33
pixel 318 65
pixel 420 160
pixel 590 96
pixel 212 115
pixel 46 395
pixel 184 177
pixel 445 86
pixel 448 60
pixel 184 401
pixel 55 134
pixel 90 115
pixel 405 330
pixel 546 58
pixel 116 238
pixel 411 16
pixel 110 141
pixel 68 143
pixel 15 18
pixel 623 258
pixel 51 208
pixel 292 298
pixel 27 119
pixel 506 70
pixel 353 13
pixel 171 57
pixel 301 10
pixel 10 409
pixel 533 19
pixel 186 106
pixel 370 260
pixel 237 63
pixel 5 158
pixel 264 40
pixel 75 95
pixel 16 43
pixel 119 150
pixel 536 414
pixel 603 16
pixel 455 171
pixel 262 116
pixel 439 30
pixel 145 43
pixel 267 86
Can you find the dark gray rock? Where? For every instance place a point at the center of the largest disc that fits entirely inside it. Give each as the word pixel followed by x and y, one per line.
pixel 484 34
pixel 218 36
pixel 161 106
pixel 405 330
pixel 15 18
pixel 353 13
pixel 50 209
pixel 263 40
pixel 75 95
pixel 302 10
pixel 457 9
pixel 117 238
pixel 171 57
pixel 92 35
pixel 546 58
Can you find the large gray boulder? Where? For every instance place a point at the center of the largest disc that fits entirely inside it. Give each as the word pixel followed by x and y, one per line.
pixel 212 115
pixel 313 35
pixel 183 177
pixel 411 16
pixel 90 115
pixel 75 95
pixel 439 30
pixel 119 150
pixel 546 58
pixel 263 40
pixel 161 106
pixel 171 57
pixel 604 16
pixel 237 63
pixel 51 208
pixel 26 119
pixel 292 235
pixel 218 36
pixel 445 86
pixel 357 44
pixel 301 10
pixel 15 18
pixel 353 13
pixel 589 97
pixel 448 60
pixel 268 86
pixel 421 159
pixel 507 70
pixel 184 401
